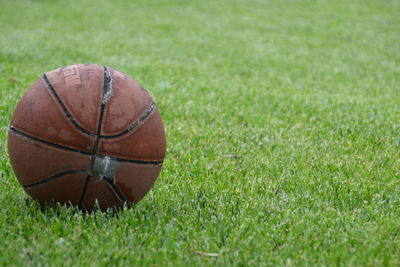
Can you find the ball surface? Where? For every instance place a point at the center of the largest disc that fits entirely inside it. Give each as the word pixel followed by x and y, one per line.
pixel 86 134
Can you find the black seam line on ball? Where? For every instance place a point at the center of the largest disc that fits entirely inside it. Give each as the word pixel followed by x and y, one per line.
pixel 85 186
pixel 144 162
pixel 154 162
pixel 47 142
pixel 64 108
pixel 135 125
pixel 77 150
pixel 55 176
pixel 114 188
pixel 106 86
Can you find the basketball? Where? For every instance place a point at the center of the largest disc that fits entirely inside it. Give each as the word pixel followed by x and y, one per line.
pixel 88 136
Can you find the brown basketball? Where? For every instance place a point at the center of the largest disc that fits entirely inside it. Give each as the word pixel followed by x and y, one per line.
pixel 84 134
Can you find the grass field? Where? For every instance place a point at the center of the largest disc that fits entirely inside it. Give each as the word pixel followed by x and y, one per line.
pixel 305 94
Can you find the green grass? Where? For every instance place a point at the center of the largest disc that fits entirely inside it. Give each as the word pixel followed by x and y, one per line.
pixel 306 93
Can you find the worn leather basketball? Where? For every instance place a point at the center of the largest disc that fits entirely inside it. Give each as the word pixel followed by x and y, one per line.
pixel 86 134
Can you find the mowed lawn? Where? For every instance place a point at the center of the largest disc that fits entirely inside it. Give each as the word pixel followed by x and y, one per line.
pixel 283 131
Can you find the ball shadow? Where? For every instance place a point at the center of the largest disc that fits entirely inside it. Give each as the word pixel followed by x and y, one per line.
pixel 54 209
